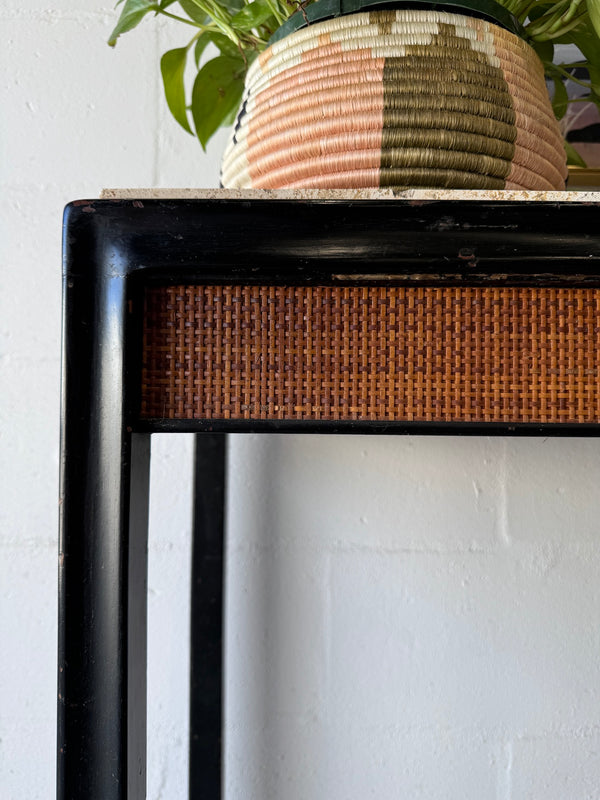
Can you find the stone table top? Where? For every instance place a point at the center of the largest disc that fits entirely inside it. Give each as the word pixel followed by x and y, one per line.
pixel 349 194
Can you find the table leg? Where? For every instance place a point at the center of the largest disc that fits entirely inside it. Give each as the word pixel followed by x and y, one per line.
pixel 104 487
pixel 207 618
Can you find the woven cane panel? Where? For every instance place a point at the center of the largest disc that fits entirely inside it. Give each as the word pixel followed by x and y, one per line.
pixel 372 353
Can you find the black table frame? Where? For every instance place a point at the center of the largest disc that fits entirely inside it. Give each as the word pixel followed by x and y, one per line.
pixel 112 251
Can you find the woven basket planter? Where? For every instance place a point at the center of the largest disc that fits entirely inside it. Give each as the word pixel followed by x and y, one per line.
pixel 401 98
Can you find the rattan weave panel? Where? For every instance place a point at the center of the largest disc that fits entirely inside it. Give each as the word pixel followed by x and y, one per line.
pixel 372 353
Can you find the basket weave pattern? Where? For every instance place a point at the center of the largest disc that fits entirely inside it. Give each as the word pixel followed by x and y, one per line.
pixel 372 353
pixel 396 98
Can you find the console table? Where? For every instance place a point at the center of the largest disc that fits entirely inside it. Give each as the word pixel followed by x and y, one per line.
pixel 323 312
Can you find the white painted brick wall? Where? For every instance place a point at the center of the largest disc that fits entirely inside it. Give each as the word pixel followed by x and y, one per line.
pixel 414 618
pixel 407 618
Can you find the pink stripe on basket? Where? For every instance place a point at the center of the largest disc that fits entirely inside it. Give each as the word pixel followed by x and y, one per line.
pixel 307 70
pixel 342 100
pixel 342 118
pixel 480 27
pixel 356 179
pixel 522 178
pixel 300 127
pixel 528 151
pixel 535 161
pixel 310 84
pixel 539 161
pixel 309 172
pixel 275 153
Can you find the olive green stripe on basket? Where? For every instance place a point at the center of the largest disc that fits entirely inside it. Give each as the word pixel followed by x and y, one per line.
pixel 468 139
pixel 464 67
pixel 445 120
pixel 451 86
pixel 447 139
pixel 436 158
pixel 437 178
pixel 479 107
pixel 383 20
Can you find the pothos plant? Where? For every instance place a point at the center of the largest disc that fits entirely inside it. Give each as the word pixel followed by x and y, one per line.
pixel 240 30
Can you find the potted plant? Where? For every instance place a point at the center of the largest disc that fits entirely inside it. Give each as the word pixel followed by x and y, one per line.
pixel 355 93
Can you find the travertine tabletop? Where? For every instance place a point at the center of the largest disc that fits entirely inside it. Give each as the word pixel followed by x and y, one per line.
pixel 347 194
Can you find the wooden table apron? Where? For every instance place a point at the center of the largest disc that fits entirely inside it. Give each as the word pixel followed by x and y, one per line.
pixel 115 252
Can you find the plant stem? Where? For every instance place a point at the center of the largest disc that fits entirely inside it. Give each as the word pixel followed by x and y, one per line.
pixel 523 12
pixel 214 10
pixel 178 19
pixel 566 17
pixel 566 74
pixel 554 27
pixel 275 10
pixel 544 23
pixel 572 10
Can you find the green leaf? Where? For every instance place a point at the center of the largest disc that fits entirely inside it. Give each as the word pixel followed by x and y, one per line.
pixel 132 14
pixel 201 44
pixel 573 157
pixel 225 46
pixel 232 5
pixel 594 97
pixel 545 50
pixel 560 101
pixel 587 41
pixel 172 67
pixel 201 14
pixel 584 37
pixel 251 16
pixel 194 11
pixel 593 7
pixel 216 94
